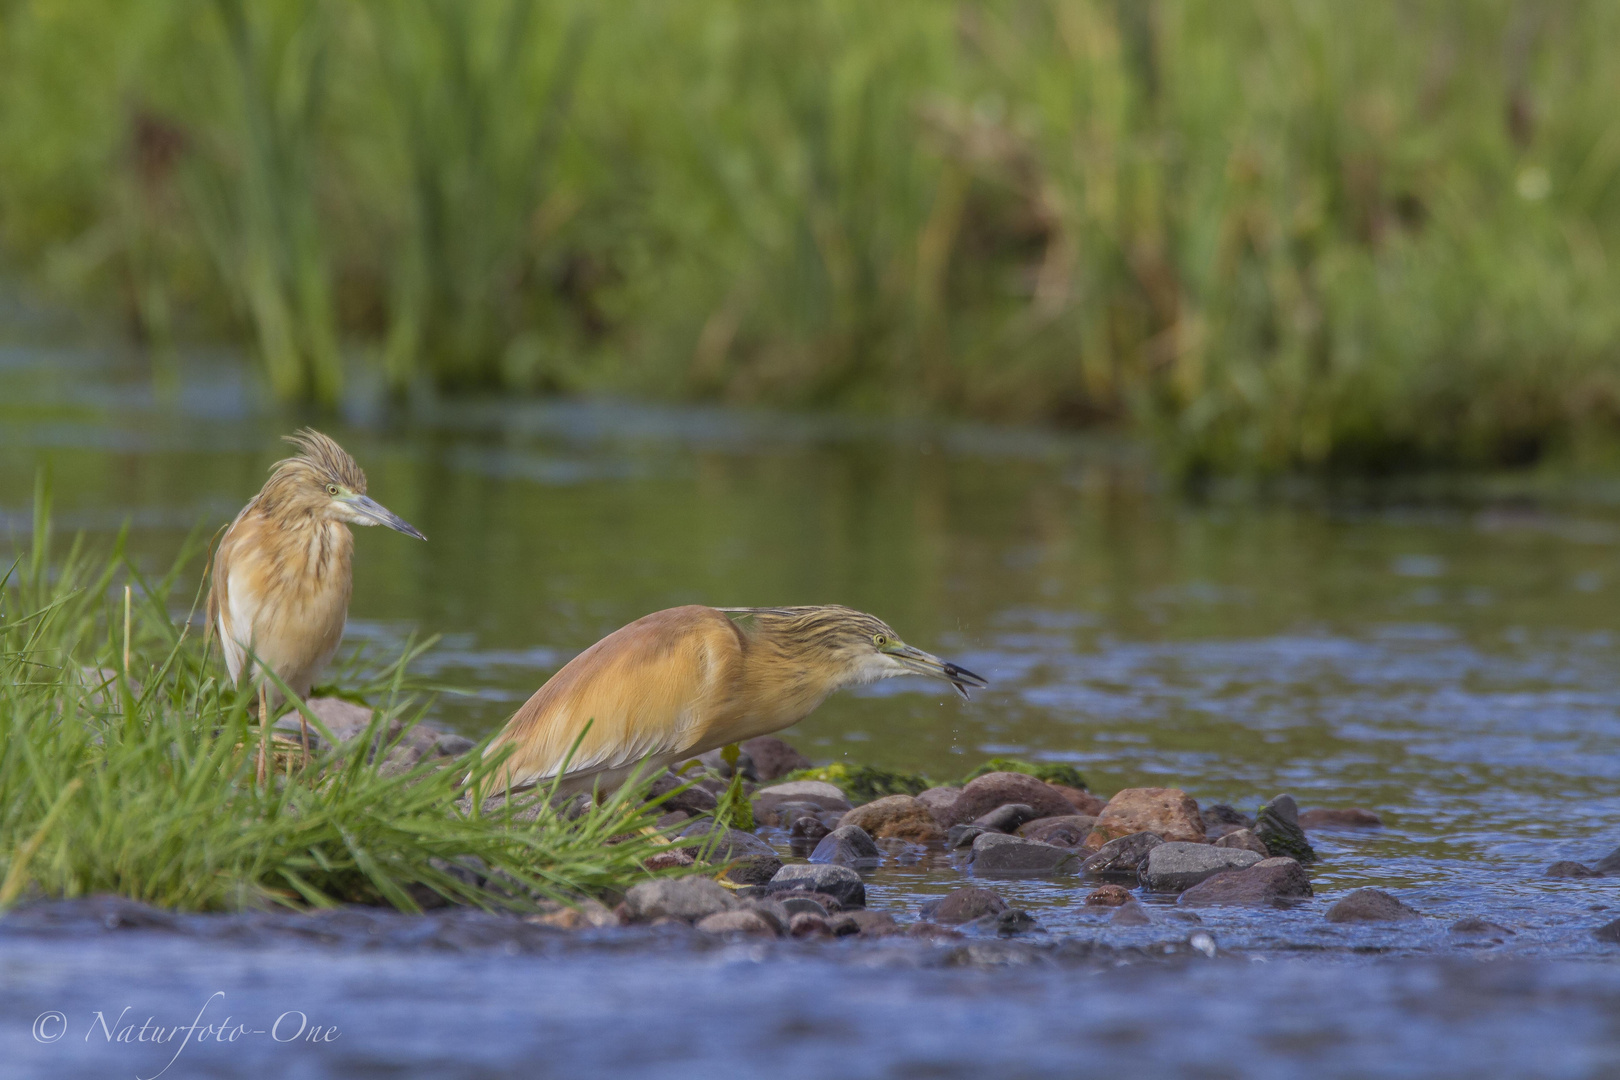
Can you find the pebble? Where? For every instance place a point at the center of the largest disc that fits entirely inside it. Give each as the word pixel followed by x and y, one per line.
pixel 983 794
pixel 773 758
pixel 1122 857
pixel 687 899
pixel 1340 819
pixel 1370 905
pixel 1069 831
pixel 1266 881
pixel 1176 866
pixel 1006 818
pixel 839 882
pixel 805 833
pixel 899 817
pixel 963 905
pixel 736 922
pixel 1567 869
pixel 1277 826
pixel 999 854
pixel 1108 896
pixel 1170 813
pixel 1243 840
pixel 847 845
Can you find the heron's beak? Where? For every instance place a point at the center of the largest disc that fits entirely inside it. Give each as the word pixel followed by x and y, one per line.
pixel 928 664
pixel 369 511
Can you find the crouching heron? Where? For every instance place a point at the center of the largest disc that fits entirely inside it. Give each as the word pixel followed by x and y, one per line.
pixel 282 574
pixel 689 679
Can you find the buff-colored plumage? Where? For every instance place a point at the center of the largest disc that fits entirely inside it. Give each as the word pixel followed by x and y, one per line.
pixel 282 572
pixel 679 682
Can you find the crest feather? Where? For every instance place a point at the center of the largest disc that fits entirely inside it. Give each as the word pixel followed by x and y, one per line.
pixel 321 453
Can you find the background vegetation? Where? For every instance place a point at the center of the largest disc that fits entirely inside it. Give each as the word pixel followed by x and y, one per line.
pixel 1275 234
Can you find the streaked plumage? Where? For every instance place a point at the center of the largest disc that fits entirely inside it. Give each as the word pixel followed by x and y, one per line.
pixel 281 574
pixel 679 682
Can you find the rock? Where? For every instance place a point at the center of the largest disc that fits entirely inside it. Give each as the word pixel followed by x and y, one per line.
pixel 1004 923
pixel 687 899
pixel 452 745
pixel 676 795
pixel 802 794
pixel 805 924
pixel 668 860
pixel 1477 927
pixel 674 820
pixel 1339 819
pixel 1108 896
pixel 1176 866
pixel 940 801
pixel 1609 864
pixel 1608 932
pixel 773 758
pixel 736 922
pixel 1169 813
pixel 797 905
pixel 1005 819
pixel 1069 832
pixel 961 836
pixel 1221 816
pixel 864 923
pixel 847 845
pixel 1083 801
pixel 715 762
pixel 783 814
pixel 805 833
pixel 754 862
pixel 1243 840
pixel 1131 913
pixel 963 905
pixel 999 854
pixel 588 915
pixel 1122 857
pixel 1567 869
pixel 899 816
pixel 1370 905
pixel 344 719
pixel 932 931
pixel 1266 881
pixel 1277 826
pixel 839 882
pixel 772 911
pixel 995 789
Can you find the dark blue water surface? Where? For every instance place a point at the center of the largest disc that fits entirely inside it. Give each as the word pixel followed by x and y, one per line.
pixel 1444 656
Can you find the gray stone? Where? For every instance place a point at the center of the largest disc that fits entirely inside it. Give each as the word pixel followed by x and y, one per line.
pixel 1121 858
pixel 1267 881
pixel 737 922
pixel 1609 864
pixel 963 905
pixel 1176 867
pixel 1006 818
pixel 839 882
pixel 678 795
pixel 773 758
pixel 753 861
pixel 687 899
pixel 1277 826
pixel 1567 869
pixel 773 911
pixel 780 804
pixel 1010 856
pixel 1370 905
pixel 452 745
pixel 847 845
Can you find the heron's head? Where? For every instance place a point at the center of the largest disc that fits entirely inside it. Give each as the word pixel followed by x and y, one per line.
pixel 323 481
pixel 851 646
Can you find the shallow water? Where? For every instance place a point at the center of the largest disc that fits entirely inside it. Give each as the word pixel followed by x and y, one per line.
pixel 1448 662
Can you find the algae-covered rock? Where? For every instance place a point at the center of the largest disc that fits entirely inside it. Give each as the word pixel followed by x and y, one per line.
pixel 1277 826
pixel 1051 772
pixel 863 783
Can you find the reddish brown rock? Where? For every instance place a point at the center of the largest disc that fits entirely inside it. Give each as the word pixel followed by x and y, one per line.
pixel 939 801
pixel 1068 832
pixel 1169 813
pixel 991 790
pixel 1108 896
pixel 864 923
pixel 1083 801
pixel 900 817
pixel 669 860
pixel 804 924
pixel 1339 819
pixel 1262 883
pixel 774 758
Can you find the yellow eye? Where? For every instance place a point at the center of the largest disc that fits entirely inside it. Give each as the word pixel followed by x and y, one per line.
pixel 879 640
pixel 332 489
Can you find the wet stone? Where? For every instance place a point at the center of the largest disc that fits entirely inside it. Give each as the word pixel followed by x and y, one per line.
pixel 998 854
pixel 1004 923
pixel 1122 857
pixel 693 800
pixel 1609 932
pixel 1567 869
pixel 1069 832
pixel 961 836
pixel 1267 881
pixel 1175 867
pixel 1108 896
pixel 1005 819
pixel 939 802
pixel 864 923
pixel 1370 905
pixel 814 797
pixel 963 905
pixel 847 845
pixel 985 793
pixel 1477 927
pixel 1277 826
pixel 839 882
pixel 686 899
pixel 805 833
pixel 773 758
pixel 1131 913
pixel 896 817
pixel 1609 864
pixel 1084 802
pixel 1169 813
pixel 1221 819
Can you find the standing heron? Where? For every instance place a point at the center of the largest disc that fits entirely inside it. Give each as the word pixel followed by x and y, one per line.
pixel 689 679
pixel 282 574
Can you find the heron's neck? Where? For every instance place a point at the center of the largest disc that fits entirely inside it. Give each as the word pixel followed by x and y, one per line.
pixel 779 688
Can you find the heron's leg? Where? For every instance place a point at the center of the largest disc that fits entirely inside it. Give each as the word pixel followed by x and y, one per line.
pixel 264 735
pixel 303 736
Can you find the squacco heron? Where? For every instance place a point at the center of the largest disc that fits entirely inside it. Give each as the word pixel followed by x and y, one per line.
pixel 689 679
pixel 282 574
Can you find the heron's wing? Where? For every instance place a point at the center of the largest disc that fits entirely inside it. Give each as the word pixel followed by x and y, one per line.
pixel 646 689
